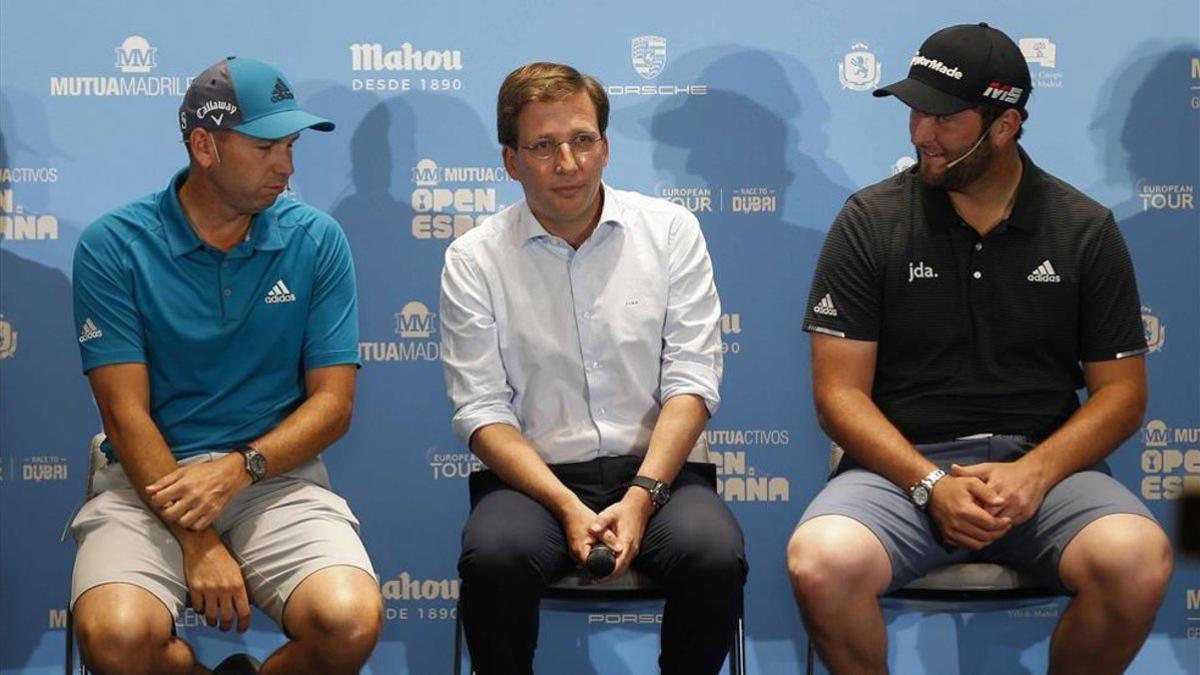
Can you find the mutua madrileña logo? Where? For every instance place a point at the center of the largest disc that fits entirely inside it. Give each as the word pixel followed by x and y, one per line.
pixel 136 59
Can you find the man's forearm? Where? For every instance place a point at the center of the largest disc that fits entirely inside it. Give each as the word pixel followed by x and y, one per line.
pixel 855 423
pixel 145 458
pixel 680 423
pixel 510 455
pixel 323 418
pixel 1101 424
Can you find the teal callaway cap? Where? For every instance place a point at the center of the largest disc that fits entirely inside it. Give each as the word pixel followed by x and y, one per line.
pixel 247 96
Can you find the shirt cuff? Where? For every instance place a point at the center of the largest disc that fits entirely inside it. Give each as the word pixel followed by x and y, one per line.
pixel 469 419
pixel 682 377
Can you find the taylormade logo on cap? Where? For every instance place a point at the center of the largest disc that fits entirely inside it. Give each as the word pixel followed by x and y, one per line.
pixel 937 66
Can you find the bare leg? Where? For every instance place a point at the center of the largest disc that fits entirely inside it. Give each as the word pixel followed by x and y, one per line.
pixel 125 629
pixel 838 570
pixel 334 618
pixel 1119 567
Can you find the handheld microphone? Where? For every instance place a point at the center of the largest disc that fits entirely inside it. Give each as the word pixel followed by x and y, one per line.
pixel 601 561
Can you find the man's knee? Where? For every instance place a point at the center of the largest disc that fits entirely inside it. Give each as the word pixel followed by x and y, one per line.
pixel 710 552
pixel 117 629
pixel 836 555
pixel 346 614
pixel 1124 557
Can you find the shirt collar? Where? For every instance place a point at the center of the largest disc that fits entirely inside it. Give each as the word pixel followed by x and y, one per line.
pixel 182 239
pixel 528 227
pixel 939 210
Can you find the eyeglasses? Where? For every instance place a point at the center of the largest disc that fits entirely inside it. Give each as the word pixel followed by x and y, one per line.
pixel 582 145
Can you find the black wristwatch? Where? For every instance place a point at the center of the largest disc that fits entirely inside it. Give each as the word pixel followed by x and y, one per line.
pixel 256 462
pixel 660 492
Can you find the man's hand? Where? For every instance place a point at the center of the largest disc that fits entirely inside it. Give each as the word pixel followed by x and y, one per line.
pixel 576 522
pixel 962 509
pixel 193 496
pixel 215 583
pixel 626 521
pixel 1020 484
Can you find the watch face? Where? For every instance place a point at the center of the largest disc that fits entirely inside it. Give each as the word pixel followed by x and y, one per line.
pixel 660 494
pixel 257 464
pixel 920 495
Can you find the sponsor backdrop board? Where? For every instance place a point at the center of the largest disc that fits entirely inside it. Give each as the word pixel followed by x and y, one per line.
pixel 755 115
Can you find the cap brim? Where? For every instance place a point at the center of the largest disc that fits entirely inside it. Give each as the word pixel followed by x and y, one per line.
pixel 285 123
pixel 924 98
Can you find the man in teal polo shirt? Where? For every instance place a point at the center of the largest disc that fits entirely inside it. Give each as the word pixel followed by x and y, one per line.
pixel 218 328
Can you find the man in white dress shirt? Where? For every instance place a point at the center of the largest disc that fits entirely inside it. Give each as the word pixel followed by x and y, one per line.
pixel 582 355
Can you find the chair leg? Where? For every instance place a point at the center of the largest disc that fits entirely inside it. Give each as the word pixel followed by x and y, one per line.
pixel 458 638
pixel 70 659
pixel 737 650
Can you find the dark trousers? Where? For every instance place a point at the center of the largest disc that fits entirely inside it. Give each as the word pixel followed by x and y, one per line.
pixel 513 547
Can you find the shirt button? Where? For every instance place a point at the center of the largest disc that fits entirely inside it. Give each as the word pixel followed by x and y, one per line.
pixel 977 275
pixel 228 292
pixel 979 246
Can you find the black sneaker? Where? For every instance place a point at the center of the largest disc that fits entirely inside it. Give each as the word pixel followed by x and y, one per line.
pixel 238 664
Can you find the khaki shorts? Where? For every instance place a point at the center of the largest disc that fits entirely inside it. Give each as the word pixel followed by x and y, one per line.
pixel 280 531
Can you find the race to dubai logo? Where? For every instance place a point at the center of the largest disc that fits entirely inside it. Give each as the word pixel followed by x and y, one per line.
pixel 859 69
pixel 649 55
pixel 1156 333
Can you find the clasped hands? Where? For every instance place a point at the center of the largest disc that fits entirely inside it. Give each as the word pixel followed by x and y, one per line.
pixel 975 505
pixel 619 527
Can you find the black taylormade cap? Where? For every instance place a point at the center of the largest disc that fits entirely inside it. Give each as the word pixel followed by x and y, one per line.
pixel 961 67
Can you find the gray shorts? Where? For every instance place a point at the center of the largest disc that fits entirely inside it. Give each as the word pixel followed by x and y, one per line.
pixel 912 541
pixel 280 531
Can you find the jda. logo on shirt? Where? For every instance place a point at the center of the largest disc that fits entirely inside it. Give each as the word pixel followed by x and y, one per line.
pixel 920 271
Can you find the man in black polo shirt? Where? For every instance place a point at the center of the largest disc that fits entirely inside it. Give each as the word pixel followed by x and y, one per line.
pixel 955 310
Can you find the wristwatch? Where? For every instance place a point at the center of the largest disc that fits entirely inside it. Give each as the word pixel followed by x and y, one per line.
pixel 660 492
pixel 920 491
pixel 256 462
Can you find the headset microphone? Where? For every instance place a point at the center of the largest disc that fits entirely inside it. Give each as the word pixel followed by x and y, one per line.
pixel 975 147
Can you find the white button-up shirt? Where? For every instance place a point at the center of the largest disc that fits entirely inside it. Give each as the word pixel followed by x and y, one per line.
pixel 578 349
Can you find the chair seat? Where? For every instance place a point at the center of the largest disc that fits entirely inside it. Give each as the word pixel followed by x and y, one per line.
pixel 974 581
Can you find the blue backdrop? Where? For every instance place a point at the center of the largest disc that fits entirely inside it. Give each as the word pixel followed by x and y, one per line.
pixel 759 119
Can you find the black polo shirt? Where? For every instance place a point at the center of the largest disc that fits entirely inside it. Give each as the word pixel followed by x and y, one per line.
pixel 977 334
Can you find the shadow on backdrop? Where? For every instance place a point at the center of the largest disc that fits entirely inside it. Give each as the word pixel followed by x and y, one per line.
pixel 45 406
pixel 1150 133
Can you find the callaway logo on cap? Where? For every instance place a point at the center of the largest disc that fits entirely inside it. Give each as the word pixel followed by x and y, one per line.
pixel 247 96
pixel 961 67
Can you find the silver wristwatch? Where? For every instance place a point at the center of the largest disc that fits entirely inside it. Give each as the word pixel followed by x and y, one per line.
pixel 919 492
pixel 256 462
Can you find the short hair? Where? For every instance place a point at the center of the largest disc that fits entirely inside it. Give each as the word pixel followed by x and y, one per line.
pixel 990 113
pixel 544 82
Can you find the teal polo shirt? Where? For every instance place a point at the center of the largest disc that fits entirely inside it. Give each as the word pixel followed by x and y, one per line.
pixel 226 337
